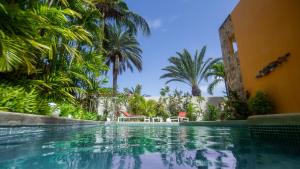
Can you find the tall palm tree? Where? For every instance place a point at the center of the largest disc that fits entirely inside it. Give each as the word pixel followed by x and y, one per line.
pixel 118 11
pixel 123 52
pixel 189 70
pixel 217 72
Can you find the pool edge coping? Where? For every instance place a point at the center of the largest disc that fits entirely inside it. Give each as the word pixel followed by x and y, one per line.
pixel 12 119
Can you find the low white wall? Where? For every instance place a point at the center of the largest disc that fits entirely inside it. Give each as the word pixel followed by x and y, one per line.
pixel 207 100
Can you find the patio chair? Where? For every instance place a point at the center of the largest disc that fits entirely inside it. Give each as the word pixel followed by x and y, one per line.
pixel 147 119
pixel 180 118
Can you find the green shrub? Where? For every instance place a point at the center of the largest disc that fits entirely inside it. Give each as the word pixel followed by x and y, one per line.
pixel 161 111
pixel 261 104
pixel 235 107
pixel 212 113
pixel 136 104
pixel 76 112
pixel 191 112
pixel 17 99
pixel 149 108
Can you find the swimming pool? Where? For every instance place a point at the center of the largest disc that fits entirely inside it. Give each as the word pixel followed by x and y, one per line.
pixel 140 147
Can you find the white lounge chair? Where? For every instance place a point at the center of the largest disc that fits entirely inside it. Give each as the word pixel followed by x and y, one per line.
pixel 180 118
pixel 157 119
pixel 130 117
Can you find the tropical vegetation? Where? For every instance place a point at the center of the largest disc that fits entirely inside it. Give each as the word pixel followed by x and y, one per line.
pixel 217 73
pixel 260 104
pixel 53 51
pixel 120 25
pixel 117 11
pixel 57 51
pixel 189 69
pixel 167 105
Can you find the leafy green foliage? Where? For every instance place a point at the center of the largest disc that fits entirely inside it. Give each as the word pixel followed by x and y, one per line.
pixel 177 101
pixel 149 108
pixel 118 12
pixel 212 113
pixel 136 90
pixel 164 91
pixel 217 72
pixel 236 107
pixel 17 99
pixel 191 112
pixel 161 111
pixel 76 112
pixel 261 104
pixel 137 105
pixel 53 49
pixel 188 69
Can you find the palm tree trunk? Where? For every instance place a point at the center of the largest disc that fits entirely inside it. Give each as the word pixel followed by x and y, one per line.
pixel 196 91
pixel 103 27
pixel 115 75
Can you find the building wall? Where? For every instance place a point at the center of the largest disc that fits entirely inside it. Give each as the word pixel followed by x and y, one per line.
pixel 265 30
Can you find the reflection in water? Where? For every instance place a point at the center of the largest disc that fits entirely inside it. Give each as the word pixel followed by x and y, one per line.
pixel 139 147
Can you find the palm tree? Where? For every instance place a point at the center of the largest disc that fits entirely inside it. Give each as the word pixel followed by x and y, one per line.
pixel 217 72
pixel 123 52
pixel 189 70
pixel 164 91
pixel 134 90
pixel 118 11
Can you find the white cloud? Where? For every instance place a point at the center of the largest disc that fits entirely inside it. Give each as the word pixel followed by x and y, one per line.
pixel 155 24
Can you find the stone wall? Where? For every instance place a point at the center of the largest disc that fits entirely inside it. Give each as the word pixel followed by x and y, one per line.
pixel 233 77
pixel 21 119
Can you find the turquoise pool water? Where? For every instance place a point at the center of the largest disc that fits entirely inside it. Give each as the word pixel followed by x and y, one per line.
pixel 140 147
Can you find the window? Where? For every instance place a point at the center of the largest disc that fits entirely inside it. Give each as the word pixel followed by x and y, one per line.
pixel 234 46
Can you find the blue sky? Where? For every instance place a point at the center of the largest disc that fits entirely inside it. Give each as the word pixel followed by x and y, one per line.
pixel 175 25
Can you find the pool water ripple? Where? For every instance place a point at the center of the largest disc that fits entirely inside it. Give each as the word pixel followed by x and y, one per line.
pixel 140 147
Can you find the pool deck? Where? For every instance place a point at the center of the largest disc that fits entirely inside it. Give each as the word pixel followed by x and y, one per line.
pixel 10 119
pixel 20 119
pixel 276 128
pixel 231 123
pixel 290 119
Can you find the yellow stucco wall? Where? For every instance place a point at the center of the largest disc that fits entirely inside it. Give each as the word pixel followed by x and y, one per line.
pixel 265 30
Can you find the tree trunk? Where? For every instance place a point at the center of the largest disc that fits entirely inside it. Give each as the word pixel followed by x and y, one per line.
pixel 196 91
pixel 115 75
pixel 226 87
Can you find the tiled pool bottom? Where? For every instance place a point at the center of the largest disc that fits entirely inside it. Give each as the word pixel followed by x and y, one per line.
pixel 141 147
